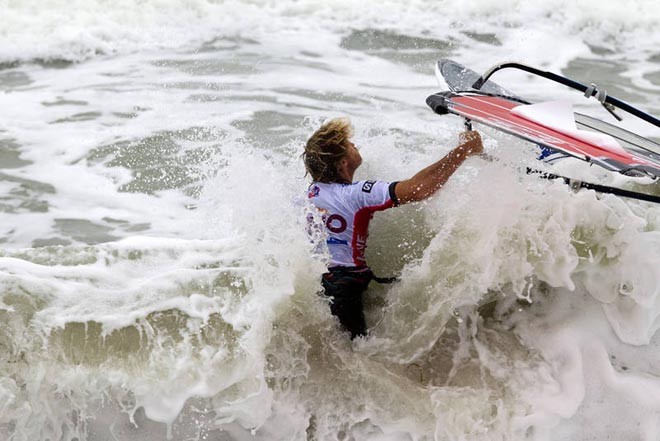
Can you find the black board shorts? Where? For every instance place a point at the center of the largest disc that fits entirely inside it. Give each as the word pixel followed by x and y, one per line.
pixel 344 286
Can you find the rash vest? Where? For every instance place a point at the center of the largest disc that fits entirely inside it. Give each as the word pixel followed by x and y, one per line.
pixel 346 211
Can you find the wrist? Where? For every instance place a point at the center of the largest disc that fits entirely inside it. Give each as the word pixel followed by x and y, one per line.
pixel 463 150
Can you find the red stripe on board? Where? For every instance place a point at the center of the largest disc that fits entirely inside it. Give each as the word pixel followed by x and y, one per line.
pixel 496 112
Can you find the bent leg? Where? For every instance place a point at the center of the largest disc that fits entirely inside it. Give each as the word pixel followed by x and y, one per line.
pixel 345 292
pixel 348 310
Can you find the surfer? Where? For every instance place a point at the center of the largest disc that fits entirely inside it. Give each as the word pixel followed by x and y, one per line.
pixel 331 159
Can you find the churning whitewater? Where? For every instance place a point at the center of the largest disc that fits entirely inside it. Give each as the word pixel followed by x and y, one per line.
pixel 156 278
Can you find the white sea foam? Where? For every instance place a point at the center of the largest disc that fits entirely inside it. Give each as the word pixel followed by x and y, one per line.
pixel 82 29
pixel 157 279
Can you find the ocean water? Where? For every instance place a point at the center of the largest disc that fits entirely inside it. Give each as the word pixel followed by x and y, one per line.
pixel 156 280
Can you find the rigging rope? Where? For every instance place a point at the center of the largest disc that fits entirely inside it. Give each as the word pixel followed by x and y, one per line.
pixel 577 184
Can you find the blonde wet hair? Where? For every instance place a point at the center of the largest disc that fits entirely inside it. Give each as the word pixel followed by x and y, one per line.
pixel 325 148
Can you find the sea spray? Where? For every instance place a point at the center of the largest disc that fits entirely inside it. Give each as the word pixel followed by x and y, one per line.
pixel 157 278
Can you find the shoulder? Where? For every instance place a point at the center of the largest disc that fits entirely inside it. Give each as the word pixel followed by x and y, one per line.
pixel 324 191
pixel 371 192
pixel 364 193
pixel 367 186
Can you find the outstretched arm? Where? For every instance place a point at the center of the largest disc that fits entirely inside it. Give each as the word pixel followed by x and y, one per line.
pixel 430 179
